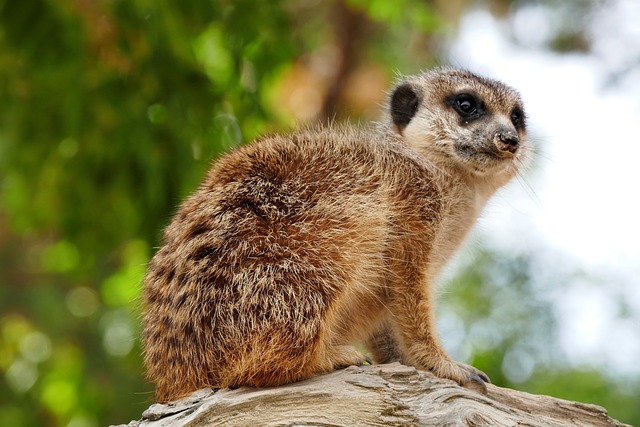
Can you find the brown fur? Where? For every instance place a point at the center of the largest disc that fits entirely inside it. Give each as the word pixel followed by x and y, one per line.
pixel 297 246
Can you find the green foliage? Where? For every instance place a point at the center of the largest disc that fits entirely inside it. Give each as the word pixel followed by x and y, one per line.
pixel 124 97
pixel 111 112
pixel 401 12
pixel 508 326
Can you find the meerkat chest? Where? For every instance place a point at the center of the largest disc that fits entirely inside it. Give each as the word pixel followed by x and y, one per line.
pixel 460 213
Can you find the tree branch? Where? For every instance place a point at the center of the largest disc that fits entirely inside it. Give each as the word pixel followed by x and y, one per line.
pixel 379 395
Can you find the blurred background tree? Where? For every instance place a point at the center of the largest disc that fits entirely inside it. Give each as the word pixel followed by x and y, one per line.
pixel 110 113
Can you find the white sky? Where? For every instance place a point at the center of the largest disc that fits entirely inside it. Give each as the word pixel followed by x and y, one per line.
pixel 584 201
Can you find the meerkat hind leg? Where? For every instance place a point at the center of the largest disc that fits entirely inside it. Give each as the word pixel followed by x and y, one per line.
pixel 383 345
pixel 343 356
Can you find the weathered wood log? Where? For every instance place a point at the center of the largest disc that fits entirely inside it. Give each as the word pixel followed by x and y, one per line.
pixel 379 395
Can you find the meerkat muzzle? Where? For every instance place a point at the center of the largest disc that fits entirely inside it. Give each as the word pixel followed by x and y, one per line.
pixel 507 141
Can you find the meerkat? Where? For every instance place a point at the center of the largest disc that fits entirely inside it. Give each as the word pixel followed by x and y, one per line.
pixel 297 246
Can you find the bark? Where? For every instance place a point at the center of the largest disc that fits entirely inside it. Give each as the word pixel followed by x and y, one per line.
pixel 380 395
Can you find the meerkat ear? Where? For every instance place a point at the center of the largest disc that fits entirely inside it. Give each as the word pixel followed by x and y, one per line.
pixel 404 104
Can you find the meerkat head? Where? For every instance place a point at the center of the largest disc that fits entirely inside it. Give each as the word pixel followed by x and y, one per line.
pixel 456 116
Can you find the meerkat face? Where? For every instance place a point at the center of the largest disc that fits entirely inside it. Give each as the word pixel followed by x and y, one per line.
pixel 454 115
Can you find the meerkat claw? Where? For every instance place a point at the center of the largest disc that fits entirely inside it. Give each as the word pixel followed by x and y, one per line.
pixel 484 377
pixel 476 383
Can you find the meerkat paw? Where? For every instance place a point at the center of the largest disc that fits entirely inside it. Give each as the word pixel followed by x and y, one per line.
pixel 465 375
pixel 346 355
pixel 477 376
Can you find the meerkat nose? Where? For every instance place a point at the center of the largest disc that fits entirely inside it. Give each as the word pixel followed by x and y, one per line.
pixel 508 140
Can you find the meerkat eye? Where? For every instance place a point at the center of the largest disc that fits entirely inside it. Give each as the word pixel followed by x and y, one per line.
pixel 466 105
pixel 516 117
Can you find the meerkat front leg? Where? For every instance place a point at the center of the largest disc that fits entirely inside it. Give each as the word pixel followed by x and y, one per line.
pixel 413 325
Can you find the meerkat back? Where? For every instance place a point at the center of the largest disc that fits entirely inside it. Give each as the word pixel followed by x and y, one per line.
pixel 297 246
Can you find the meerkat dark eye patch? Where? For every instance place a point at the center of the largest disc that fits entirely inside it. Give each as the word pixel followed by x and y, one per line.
pixel 467 106
pixel 404 104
